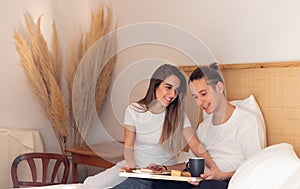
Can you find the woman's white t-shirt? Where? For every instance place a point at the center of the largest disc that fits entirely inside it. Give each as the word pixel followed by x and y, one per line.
pixel 148 129
pixel 231 143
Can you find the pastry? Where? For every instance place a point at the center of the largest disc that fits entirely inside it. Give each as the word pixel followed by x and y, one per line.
pixel 180 173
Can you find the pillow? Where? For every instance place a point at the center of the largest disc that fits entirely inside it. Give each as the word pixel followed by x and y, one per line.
pixel 251 105
pixel 293 182
pixel 272 168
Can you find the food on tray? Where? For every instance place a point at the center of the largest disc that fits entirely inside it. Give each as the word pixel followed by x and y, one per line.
pixel 180 173
pixel 128 170
pixel 156 170
pixel 175 173
pixel 185 174
pixel 152 169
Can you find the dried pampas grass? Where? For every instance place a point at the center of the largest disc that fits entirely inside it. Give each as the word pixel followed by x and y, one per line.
pixel 71 118
pixel 40 68
pixel 96 55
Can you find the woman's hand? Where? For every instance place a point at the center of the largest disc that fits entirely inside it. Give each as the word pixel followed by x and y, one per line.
pixel 156 167
pixel 128 167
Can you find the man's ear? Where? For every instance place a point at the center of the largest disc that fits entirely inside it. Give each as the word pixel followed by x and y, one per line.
pixel 220 87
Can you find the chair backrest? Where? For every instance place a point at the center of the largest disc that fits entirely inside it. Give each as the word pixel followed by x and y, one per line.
pixel 57 161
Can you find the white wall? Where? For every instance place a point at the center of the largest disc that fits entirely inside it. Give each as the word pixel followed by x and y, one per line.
pixel 235 32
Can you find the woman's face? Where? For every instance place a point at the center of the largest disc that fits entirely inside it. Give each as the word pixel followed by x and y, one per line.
pixel 168 90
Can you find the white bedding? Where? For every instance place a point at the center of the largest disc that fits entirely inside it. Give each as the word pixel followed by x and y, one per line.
pixel 275 167
pixel 60 186
pixel 64 186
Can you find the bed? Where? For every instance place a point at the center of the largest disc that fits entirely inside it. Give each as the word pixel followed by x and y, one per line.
pixel 276 89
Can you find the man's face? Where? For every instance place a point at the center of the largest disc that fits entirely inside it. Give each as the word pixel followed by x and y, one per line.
pixel 204 95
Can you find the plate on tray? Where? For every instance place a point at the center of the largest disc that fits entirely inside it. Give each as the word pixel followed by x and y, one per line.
pixel 159 176
pixel 151 173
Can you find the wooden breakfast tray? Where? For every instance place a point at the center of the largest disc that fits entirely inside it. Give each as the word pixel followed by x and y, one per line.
pixel 159 176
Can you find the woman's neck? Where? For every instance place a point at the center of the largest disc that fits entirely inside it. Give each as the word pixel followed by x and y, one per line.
pixel 156 107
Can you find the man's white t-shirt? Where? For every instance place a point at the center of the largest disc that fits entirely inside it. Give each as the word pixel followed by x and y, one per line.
pixel 229 144
pixel 148 128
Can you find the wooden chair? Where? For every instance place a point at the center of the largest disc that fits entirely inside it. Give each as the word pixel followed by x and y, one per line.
pixel 32 160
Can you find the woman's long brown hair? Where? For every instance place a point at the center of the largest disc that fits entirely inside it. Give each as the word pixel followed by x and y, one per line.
pixel 171 138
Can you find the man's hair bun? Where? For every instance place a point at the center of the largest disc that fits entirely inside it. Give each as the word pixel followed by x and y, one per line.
pixel 214 66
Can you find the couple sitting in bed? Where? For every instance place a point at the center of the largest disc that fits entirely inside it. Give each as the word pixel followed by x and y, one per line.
pixel 156 126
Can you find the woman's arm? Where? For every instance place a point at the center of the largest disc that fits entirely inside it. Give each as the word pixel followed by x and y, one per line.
pixel 129 137
pixel 197 148
pixel 180 166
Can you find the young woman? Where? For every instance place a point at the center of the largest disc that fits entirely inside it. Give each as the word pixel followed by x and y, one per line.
pixel 155 127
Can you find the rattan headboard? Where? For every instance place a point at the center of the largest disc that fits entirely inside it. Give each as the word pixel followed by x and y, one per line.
pixel 275 86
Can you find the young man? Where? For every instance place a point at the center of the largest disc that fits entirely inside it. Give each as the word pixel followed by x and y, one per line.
pixel 230 134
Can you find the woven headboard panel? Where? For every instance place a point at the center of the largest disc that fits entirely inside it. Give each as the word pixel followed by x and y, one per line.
pixel 275 86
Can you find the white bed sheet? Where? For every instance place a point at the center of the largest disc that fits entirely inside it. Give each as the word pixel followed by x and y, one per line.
pixel 61 186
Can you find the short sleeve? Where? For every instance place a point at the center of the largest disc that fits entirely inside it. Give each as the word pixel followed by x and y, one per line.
pixel 129 116
pixel 187 122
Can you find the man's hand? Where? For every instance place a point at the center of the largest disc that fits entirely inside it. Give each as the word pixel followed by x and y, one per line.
pixel 194 182
pixel 216 174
